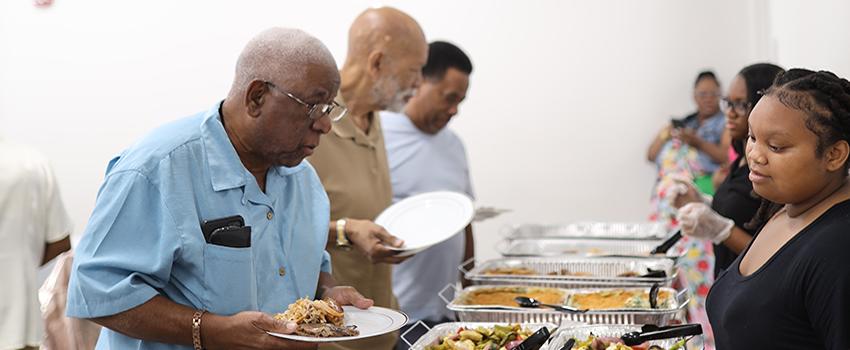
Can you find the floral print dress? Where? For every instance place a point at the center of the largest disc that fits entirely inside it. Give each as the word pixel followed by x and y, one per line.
pixel 678 160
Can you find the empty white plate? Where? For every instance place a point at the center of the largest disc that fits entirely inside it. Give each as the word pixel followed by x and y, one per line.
pixel 371 322
pixel 426 219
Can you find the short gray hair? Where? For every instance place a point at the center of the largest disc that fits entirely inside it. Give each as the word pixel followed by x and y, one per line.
pixel 278 53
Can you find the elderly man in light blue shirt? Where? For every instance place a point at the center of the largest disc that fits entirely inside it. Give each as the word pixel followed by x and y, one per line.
pixel 168 260
pixel 424 156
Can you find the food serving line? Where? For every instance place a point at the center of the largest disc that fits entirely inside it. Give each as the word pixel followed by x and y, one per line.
pixel 599 278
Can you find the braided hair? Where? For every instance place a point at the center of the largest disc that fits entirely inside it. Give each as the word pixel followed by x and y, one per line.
pixel 825 99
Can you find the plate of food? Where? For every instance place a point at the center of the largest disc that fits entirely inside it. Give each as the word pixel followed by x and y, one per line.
pixel 323 321
pixel 426 219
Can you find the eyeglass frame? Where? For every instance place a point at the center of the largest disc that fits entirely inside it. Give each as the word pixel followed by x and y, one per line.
pixel 312 108
pixel 742 107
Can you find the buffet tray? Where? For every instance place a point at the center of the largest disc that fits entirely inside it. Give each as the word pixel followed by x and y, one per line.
pixel 613 330
pixel 505 314
pixel 603 271
pixel 589 229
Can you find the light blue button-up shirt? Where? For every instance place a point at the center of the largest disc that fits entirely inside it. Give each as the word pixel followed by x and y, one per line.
pixel 144 236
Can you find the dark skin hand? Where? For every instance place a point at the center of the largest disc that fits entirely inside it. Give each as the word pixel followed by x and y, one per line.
pixel 371 240
pixel 717 153
pixel 163 320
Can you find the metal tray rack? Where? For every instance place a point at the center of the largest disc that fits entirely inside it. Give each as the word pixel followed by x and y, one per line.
pixel 603 272
pixel 482 313
pixel 613 330
pixel 600 230
pixel 445 329
pixel 578 247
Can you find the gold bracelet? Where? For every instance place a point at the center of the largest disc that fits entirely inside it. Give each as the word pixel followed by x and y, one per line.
pixel 341 240
pixel 196 329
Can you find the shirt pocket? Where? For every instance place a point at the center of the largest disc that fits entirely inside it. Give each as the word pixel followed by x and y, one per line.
pixel 231 284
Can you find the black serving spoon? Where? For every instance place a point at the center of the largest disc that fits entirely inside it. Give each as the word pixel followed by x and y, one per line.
pixel 668 243
pixel 569 344
pixel 653 296
pixel 654 274
pixel 531 302
pixel 635 338
pixel 536 340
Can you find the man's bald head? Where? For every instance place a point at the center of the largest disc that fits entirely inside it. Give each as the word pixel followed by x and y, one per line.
pixel 383 28
pixel 279 55
pixel 386 52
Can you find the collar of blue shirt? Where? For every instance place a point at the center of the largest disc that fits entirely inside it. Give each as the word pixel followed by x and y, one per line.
pixel 226 169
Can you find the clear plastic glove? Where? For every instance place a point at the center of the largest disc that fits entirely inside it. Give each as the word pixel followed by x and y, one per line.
pixel 698 220
pixel 684 192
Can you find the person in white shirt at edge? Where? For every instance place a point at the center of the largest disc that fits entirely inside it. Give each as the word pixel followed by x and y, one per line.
pixel 425 156
pixel 34 229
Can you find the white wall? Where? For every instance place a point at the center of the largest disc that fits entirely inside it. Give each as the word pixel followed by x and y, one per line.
pixel 812 34
pixel 563 101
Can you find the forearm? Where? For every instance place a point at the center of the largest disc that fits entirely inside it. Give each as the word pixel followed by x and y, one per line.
pixel 333 230
pixel 738 240
pixel 158 319
pixel 654 148
pixel 52 250
pixel 326 281
pixel 716 152
pixel 331 234
pixel 719 176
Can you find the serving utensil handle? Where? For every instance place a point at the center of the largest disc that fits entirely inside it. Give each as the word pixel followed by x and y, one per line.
pixel 417 324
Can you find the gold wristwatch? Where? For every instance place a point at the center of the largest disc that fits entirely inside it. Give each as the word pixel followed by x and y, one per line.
pixel 341 240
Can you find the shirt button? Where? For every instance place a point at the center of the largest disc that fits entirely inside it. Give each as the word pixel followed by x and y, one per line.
pixel 269 215
pixel 281 271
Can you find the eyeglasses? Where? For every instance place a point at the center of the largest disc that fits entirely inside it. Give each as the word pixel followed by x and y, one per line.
pixel 316 111
pixel 740 107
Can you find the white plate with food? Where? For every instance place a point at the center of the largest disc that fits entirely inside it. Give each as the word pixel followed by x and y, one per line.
pixel 426 219
pixel 321 321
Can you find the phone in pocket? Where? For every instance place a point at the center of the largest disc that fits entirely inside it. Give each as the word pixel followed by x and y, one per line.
pixel 209 226
pixel 230 236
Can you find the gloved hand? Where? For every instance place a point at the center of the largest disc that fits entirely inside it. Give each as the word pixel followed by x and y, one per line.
pixel 684 192
pixel 698 220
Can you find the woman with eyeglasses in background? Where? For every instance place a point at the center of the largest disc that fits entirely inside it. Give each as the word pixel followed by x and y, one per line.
pixel 693 142
pixel 734 203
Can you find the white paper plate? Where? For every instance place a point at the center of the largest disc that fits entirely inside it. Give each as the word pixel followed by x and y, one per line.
pixel 426 219
pixel 371 322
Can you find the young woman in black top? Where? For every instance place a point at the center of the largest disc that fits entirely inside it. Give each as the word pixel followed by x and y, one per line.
pixel 790 289
pixel 733 204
